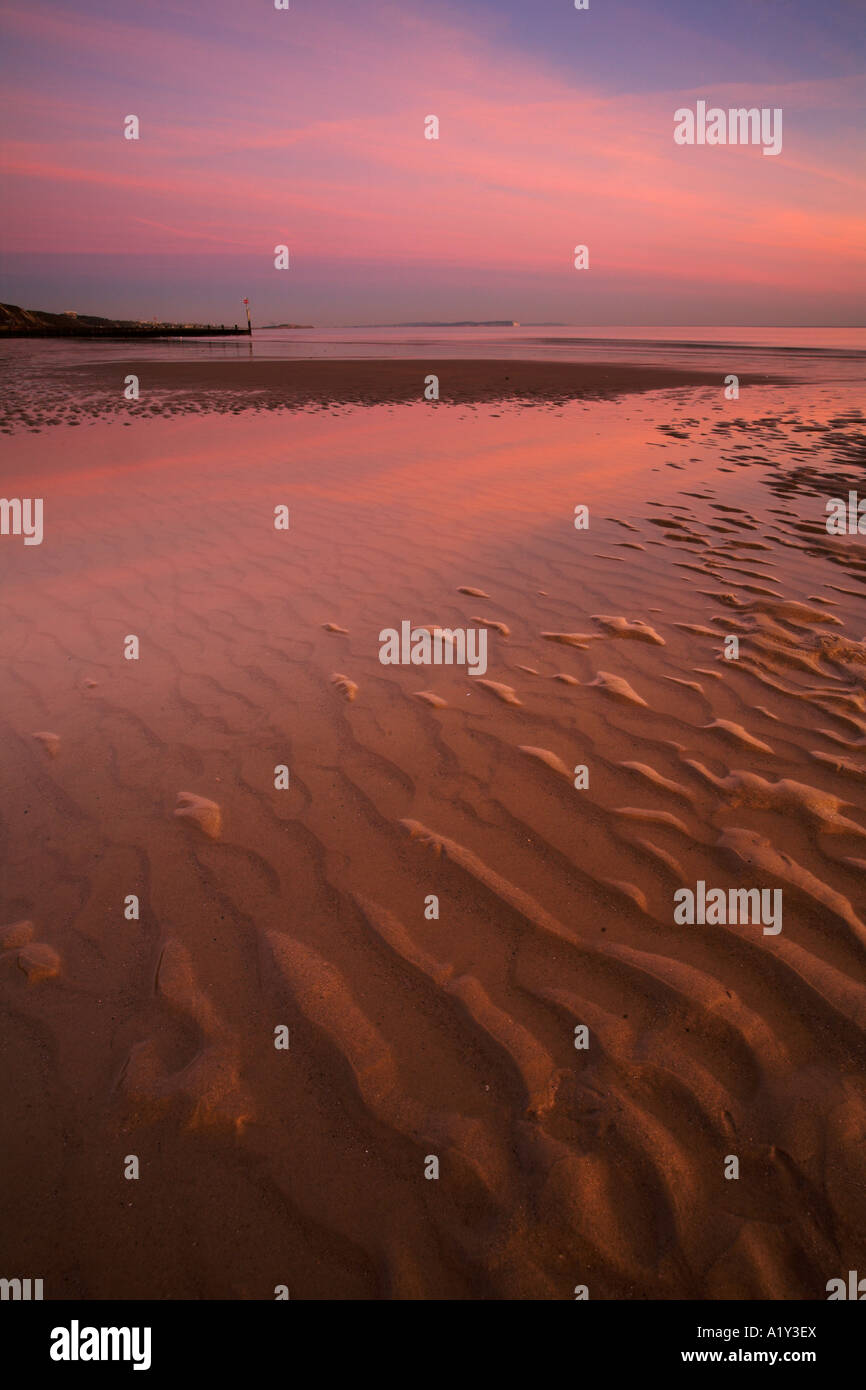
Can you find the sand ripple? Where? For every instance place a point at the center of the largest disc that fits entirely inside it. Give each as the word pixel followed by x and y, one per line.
pixel 438 940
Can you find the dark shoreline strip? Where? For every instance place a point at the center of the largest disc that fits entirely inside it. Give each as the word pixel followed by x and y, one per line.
pixel 371 381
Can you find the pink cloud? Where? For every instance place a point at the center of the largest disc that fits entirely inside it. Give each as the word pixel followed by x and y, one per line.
pixel 322 147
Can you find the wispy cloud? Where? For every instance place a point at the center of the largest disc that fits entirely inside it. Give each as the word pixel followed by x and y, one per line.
pixel 307 127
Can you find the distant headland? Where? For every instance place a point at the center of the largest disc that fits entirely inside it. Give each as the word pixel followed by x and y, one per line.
pixel 435 323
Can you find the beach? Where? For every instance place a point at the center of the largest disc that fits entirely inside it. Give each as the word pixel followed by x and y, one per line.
pixel 469 946
pixel 80 391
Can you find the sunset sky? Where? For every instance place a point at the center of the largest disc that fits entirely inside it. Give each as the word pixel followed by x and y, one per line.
pixel 306 127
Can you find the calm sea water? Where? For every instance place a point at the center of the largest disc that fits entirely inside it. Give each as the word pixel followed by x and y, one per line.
pixel 823 353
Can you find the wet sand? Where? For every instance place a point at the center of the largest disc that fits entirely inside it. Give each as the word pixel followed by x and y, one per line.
pixel 73 393
pixel 306 907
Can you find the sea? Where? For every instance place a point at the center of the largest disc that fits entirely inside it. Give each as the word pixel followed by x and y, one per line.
pixel 827 354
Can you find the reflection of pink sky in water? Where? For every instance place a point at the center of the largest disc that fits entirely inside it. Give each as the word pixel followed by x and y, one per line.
pixel 202 489
pixel 518 464
pixel 500 458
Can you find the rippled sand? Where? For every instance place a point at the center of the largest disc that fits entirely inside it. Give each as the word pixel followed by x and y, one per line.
pixel 307 905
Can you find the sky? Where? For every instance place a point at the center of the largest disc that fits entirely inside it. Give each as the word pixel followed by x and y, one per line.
pixel 305 128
